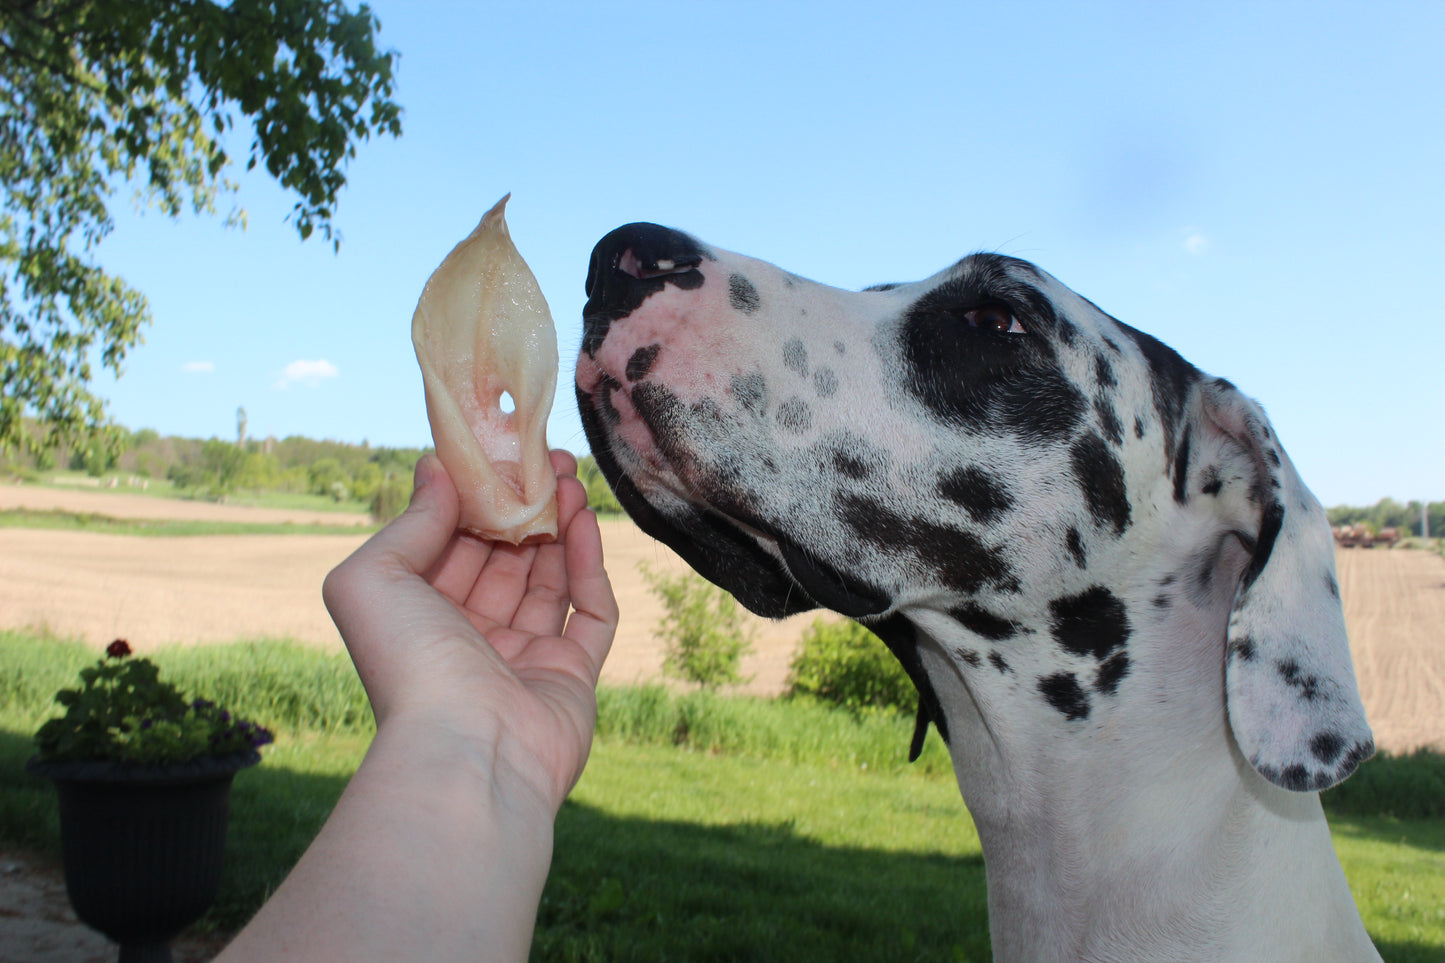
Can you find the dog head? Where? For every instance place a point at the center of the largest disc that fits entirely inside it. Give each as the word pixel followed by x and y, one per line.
pixel 982 456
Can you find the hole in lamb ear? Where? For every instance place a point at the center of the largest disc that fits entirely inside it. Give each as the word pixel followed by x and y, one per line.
pixel 506 403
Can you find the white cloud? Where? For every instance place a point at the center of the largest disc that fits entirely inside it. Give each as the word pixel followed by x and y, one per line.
pixel 1196 243
pixel 308 373
pixel 199 367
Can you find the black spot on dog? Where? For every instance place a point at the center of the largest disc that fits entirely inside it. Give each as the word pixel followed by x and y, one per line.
pixel 850 466
pixel 1101 477
pixel 794 415
pixel 660 409
pixel 641 362
pixel 751 391
pixel 1273 457
pixel 1269 526
pixel 1138 428
pixel 795 357
pixel 1162 601
pixel 1243 649
pixel 983 379
pixel 959 558
pixel 825 382
pixel 1104 372
pixel 742 296
pixel 1181 469
pixel 882 287
pixel 1332 586
pixel 1062 691
pixel 1307 686
pixel 1075 544
pixel 1109 420
pixel 1170 379
pixel 998 662
pixel 982 495
pixel 1111 672
pixel 1296 778
pixel 1202 565
pixel 840 347
pixel 1212 482
pixel 969 657
pixel 1327 746
pixel 982 622
pixel 1044 406
pixel 902 640
pixel 1094 622
pixel 608 411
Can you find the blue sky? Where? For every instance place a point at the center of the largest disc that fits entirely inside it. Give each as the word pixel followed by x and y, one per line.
pixel 1260 185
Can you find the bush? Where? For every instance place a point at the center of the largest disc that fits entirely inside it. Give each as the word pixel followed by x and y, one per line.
pixel 1401 787
pixel 390 499
pixel 599 494
pixel 845 664
pixel 703 629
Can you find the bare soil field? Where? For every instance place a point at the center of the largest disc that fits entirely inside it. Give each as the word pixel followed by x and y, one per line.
pixel 220 588
pixel 158 591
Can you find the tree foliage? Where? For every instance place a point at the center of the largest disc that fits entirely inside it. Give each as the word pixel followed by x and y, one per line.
pixel 1389 513
pixel 98 94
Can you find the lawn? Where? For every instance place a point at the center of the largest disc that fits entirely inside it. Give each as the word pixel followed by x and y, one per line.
pixel 705 828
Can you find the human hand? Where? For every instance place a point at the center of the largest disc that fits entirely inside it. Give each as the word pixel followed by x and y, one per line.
pixel 471 641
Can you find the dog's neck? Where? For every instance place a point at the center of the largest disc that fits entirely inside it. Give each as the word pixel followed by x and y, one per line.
pixel 1144 833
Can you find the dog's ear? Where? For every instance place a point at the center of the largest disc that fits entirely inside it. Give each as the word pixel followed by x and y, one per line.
pixel 1290 690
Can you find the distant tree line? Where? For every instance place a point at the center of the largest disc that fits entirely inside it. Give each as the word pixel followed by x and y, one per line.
pixel 378 477
pixel 1388 513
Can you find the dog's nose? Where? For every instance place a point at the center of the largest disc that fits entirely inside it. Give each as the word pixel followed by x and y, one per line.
pixel 629 264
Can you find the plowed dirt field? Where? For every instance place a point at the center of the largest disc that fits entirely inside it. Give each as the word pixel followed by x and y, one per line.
pixel 206 589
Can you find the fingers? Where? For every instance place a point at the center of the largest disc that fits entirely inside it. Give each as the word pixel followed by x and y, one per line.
pixel 543 609
pixel 409 545
pixel 593 622
pixel 525 587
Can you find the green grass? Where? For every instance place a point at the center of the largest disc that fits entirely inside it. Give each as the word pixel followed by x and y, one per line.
pixel 61 520
pixel 705 828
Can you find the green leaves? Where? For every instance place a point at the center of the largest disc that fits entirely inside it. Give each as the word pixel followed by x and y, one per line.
pixel 702 627
pixel 123 712
pixel 101 92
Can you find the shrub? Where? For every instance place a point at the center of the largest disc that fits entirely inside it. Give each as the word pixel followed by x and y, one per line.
pixel 702 628
pixel 845 664
pixel 390 498
pixel 1401 787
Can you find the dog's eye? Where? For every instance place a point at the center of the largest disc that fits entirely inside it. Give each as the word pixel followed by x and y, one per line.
pixel 994 317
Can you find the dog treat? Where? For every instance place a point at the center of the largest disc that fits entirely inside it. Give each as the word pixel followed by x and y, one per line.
pixel 481 329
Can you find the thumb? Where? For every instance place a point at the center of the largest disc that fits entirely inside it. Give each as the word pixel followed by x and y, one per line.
pixel 409 544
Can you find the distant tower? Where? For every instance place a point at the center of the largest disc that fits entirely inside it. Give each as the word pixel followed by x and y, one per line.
pixel 240 427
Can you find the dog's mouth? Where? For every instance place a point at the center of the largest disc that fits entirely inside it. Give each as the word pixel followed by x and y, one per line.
pixel 715 527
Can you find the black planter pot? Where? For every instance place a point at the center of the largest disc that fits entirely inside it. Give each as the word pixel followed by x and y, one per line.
pixel 143 846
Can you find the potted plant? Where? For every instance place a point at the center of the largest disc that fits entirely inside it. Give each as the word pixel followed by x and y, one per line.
pixel 144 778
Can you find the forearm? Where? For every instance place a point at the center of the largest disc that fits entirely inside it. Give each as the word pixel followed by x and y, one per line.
pixel 431 854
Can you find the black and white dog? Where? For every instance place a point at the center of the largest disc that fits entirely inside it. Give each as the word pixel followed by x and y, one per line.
pixel 1115 595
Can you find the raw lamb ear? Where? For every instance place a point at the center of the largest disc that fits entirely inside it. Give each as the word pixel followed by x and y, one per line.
pixel 480 329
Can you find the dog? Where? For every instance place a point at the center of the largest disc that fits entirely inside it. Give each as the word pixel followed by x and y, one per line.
pixel 1097 564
